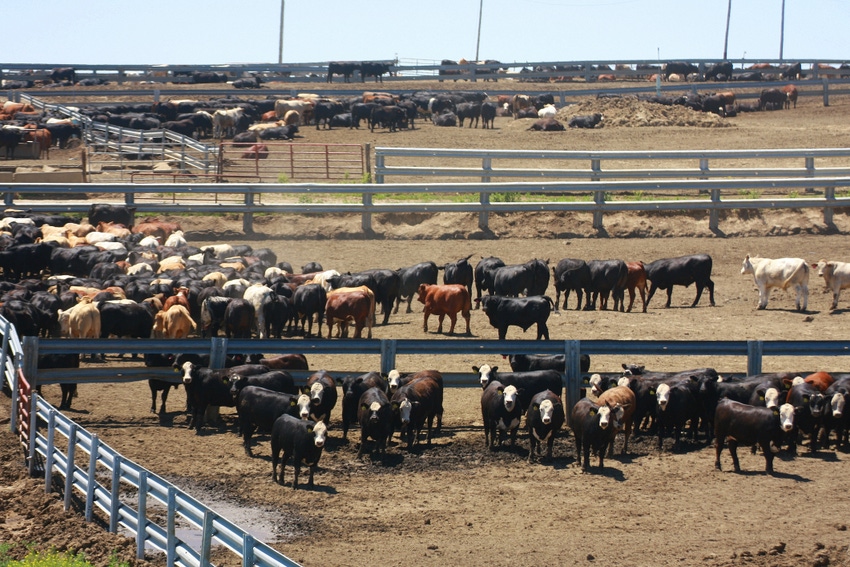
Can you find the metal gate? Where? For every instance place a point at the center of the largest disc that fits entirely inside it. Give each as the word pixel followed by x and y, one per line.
pixel 281 162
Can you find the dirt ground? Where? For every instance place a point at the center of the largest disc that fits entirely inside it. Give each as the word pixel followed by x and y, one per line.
pixel 457 502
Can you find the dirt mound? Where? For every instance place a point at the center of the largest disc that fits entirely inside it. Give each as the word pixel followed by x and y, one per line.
pixel 631 112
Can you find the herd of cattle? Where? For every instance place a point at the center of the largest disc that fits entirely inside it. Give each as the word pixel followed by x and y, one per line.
pixel 109 276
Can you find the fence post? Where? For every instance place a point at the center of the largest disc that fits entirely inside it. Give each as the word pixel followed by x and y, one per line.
pixel 48 463
pixel 714 215
pixel 69 464
pixel 206 537
pixel 810 171
pixel 218 352
pixel 572 358
pixel 484 214
pixel 91 477
pixel 367 160
pixel 171 526
pixel 142 515
pixel 248 216
pixel 829 195
pixel 388 350
pixel 755 351
pixel 379 167
pixel 825 91
pixel 598 196
pixel 247 549
pixel 366 217
pixel 115 496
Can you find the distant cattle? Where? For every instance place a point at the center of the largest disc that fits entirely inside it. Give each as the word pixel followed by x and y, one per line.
pixel 772 99
pixel 836 276
pixel 790 95
pixel 780 273
pixel 547 125
pixel 586 121
pixel 683 270
pixel 522 312
pixel 346 69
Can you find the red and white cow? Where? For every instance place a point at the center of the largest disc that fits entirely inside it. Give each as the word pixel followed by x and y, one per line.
pixel 836 276
pixel 779 273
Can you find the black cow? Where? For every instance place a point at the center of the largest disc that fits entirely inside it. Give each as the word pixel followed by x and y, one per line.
pixel 53 361
pixel 342 68
pixel 485 271
pixel 373 69
pixel 500 412
pixel 527 383
pixel 59 74
pixel 531 278
pixel 362 111
pixel 352 388
pixel 594 427
pixel 772 99
pixel 185 127
pixel 792 72
pixel 275 380
pixel 321 389
pixel 523 362
pixel 546 125
pixel 411 278
pixel 714 104
pixel 309 300
pixel 61 133
pixel 836 415
pixel 488 114
pixel 571 275
pixel 375 416
pixel 212 314
pixel 607 277
pixel 279 313
pixel 719 72
pixel 742 424
pixel 679 68
pixel 677 404
pixel 239 315
pixel 27 260
pixel 445 118
pixel 470 111
pixel 809 406
pixel 120 214
pixel 391 117
pixel 324 111
pixel 303 440
pixel 259 407
pixel 586 120
pixel 386 290
pixel 341 120
pixel 460 272
pixel 210 387
pixel 684 270
pixel 279 132
pixel 125 320
pixel 521 312
pixel 9 139
pixel 413 404
pixel 247 83
pixel 544 418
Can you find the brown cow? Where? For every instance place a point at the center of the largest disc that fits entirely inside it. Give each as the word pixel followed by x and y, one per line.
pixel 154 227
pixel 40 136
pixel 820 380
pixel 790 95
pixel 636 279
pixel 354 306
pixel 292 361
pixel 625 398
pixel 181 297
pixel 174 323
pixel 442 300
pixel 519 102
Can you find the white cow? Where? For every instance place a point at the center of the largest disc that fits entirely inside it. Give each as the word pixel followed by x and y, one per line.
pixel 780 273
pixel 548 111
pixel 836 276
pixel 303 107
pixel 224 121
pixel 256 295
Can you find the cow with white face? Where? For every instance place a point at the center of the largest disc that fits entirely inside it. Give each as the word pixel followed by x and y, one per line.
pixel 501 412
pixel 394 380
pixel 484 372
pixel 544 419
pixel 302 440
pixel 836 276
pixel 743 424
pixel 594 427
pixel 321 390
pixel 836 417
pixel 662 396
pixel 780 273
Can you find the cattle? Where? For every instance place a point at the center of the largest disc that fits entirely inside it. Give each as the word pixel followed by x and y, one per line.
pixel 375 416
pixel 548 111
pixel 391 117
pixel 544 418
pixel 208 387
pixel 257 151
pixel 836 276
pixel 346 69
pixel 212 315
pixel 586 121
pixel 836 416
pixel 520 102
pixel 411 278
pixel 530 278
pixel 225 121
pixel 386 284
pixel 374 69
pixel 488 115
pixel 418 401
pixel 791 94
pixel 120 214
pixel 310 300
pixel 357 306
pixel 677 404
pixel 302 440
pixel 239 319
pixel 740 424
pixel 325 110
pixel 624 397
pixel 275 380
pixel 352 388
pixel 793 71
pixel 56 361
pixel 174 323
pixel 522 312
pixel 500 412
pixel 681 68
pixel 684 270
pixel 809 407
pixel 772 99
pixel 26 260
pixel 546 125
pixel 259 408
pixel 780 273
pixel 247 83
pixel 523 362
pixel 594 427
pixel 820 380
pixel 571 274
pixel 40 136
pixel 607 277
pixel 59 74
pixel 527 383
pixel 303 107
pixel 362 111
pixel 485 271
pixel 636 280
pixel 286 132
pixel 442 300
pixel 445 118
pixel 719 72
pixel 321 389
pixel 459 272
pixel 470 111
pixel 292 361
pixel 81 321
pixel 62 132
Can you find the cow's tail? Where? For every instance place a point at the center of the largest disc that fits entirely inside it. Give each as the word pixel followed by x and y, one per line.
pixel 552 305
pixel 802 270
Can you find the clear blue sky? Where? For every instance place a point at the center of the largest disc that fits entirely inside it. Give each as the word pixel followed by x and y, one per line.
pixel 217 32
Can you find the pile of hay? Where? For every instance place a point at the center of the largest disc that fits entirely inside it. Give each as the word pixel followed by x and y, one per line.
pixel 631 112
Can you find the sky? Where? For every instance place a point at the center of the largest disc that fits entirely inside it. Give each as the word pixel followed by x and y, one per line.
pixel 218 32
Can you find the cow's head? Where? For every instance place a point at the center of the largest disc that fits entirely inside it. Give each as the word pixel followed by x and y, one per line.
pixel 603 415
pixel 633 369
pixel 403 409
pixel 509 397
pixel 817 404
pixel 747 266
pixel 786 417
pixel 394 379
pixel 374 411
pixel 836 404
pixel 303 403
pixel 189 371
pixel 662 394
pixel 316 393
pixel 772 398
pixel 824 268
pixel 422 292
pixel 320 433
pixel 485 374
pixel 595 383
pixel 546 409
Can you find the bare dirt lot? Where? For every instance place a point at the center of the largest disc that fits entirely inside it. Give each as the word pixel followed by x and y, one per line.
pixel 457 502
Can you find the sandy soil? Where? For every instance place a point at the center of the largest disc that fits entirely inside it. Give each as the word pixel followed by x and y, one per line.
pixel 457 502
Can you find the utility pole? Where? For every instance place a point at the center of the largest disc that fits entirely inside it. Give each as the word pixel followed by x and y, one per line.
pixel 280 44
pixel 726 40
pixel 782 31
pixel 478 41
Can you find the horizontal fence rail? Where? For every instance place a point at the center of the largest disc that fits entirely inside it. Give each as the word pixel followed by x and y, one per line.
pixel 21 196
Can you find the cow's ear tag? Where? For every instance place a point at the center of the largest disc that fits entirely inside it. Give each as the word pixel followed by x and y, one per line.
pixel 761 398
pixel 593 412
pixel 806 399
pixel 652 392
pixel 775 411
pixel 536 407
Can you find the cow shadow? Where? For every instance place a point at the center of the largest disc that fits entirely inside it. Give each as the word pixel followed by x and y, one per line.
pixel 167 419
pixel 838 311
pixel 776 474
pixel 606 471
pixel 825 456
